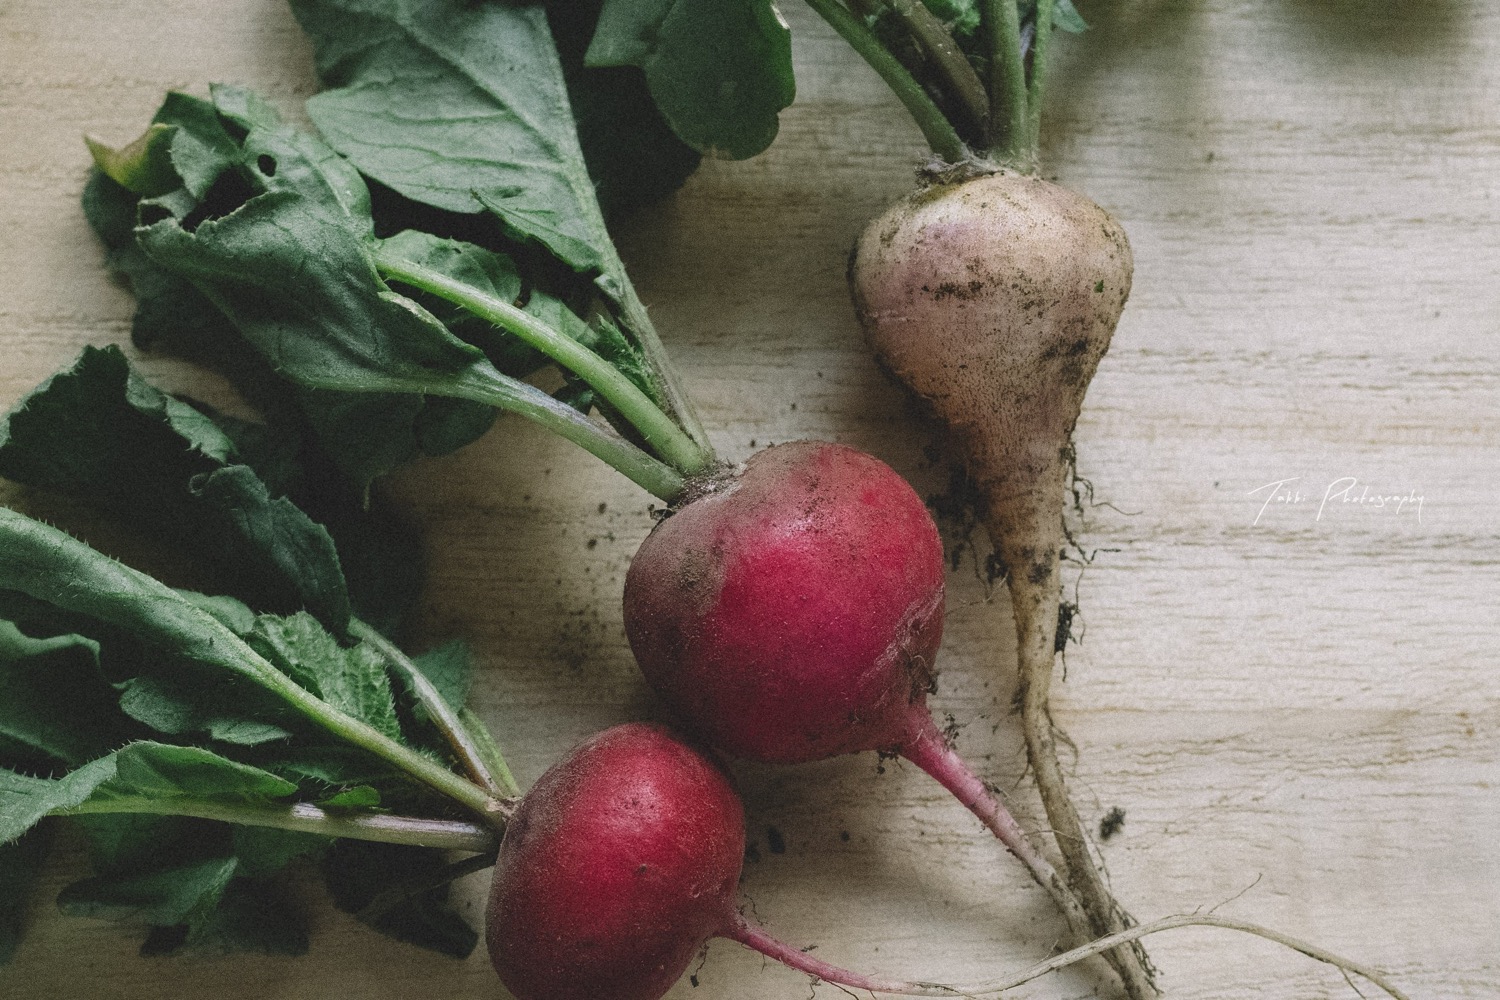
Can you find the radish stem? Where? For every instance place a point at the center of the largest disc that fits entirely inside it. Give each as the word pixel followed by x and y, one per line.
pixel 304 817
pixel 930 751
pixel 1038 85
pixel 665 437
pixel 663 374
pixel 484 384
pixel 1008 111
pixel 758 940
pixel 936 129
pixel 964 84
pixel 448 722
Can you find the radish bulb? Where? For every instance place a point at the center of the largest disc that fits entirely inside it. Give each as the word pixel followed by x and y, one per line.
pixel 618 866
pixel 993 300
pixel 793 611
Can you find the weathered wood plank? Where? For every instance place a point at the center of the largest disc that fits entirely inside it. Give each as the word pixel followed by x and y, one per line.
pixel 1296 713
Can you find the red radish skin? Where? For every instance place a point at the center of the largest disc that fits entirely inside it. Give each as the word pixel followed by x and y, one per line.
pixel 619 864
pixel 994 300
pixel 793 612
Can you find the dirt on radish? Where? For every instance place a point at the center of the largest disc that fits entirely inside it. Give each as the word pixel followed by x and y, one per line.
pixel 993 300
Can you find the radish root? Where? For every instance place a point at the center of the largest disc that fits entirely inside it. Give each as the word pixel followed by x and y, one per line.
pixel 994 300
pixel 1133 934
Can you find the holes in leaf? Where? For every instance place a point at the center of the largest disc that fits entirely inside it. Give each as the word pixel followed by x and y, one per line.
pixel 266 164
pixel 152 214
pixel 229 192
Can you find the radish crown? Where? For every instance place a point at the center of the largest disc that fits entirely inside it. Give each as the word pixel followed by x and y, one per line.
pixel 972 73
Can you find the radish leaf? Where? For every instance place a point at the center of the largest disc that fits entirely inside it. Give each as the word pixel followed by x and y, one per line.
pixel 457 105
pixel 53 697
pixel 719 71
pixel 99 432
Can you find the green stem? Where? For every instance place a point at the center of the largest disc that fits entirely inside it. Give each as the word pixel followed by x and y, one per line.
pixel 303 817
pixel 482 383
pixel 936 128
pixel 52 566
pixel 1038 85
pixel 1009 115
pixel 489 752
pixel 663 375
pixel 964 84
pixel 366 737
pixel 447 721
pixel 665 437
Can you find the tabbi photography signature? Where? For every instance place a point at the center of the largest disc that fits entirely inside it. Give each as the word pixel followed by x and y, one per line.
pixel 1337 495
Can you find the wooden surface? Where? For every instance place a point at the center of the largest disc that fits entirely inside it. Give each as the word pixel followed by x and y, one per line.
pixel 1296 707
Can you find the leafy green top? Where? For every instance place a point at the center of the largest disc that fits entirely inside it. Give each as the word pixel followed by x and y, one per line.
pixel 151 712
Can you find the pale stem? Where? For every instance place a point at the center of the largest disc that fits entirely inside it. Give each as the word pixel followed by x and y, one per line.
pixel 484 384
pixel 664 436
pixel 1009 120
pixel 303 817
pixel 448 722
pixel 941 137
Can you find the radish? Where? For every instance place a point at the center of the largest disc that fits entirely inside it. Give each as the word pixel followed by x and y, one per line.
pixel 994 300
pixel 793 611
pixel 617 867
pixel 992 295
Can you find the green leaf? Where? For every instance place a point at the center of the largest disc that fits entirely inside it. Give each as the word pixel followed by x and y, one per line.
pixel 98 432
pixel 632 154
pixel 144 166
pixel 201 148
pixel 24 800
pixel 1066 17
pixel 183 894
pixel 357 873
pixel 145 861
pixel 352 680
pixel 367 436
pixel 295 554
pixel 49 566
pixel 252 916
pixel 187 701
pixel 53 697
pixel 20 864
pixel 300 286
pixel 336 767
pixel 283 158
pixel 161 771
pixel 358 797
pixel 458 105
pixel 719 70
pixel 124 842
pixel 262 850
pixel 156 771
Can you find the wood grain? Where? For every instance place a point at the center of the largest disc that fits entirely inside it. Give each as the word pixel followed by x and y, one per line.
pixel 1296 707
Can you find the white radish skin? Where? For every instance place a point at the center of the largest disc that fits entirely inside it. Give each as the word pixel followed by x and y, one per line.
pixel 994 299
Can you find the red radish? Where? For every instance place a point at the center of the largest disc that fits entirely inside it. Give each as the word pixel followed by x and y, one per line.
pixel 793 612
pixel 619 864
